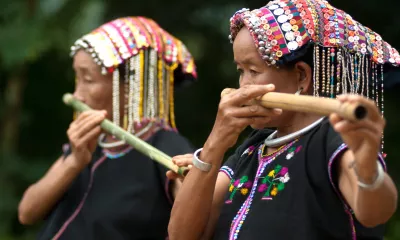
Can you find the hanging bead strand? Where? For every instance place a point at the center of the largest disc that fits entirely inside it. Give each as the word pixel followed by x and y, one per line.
pixel 338 72
pixel 132 73
pixel 332 66
pixel 315 80
pixel 362 75
pixel 116 118
pixel 382 103
pixel 376 86
pixel 126 96
pixel 317 71
pixel 323 72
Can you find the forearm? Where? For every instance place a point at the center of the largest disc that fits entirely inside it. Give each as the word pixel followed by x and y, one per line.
pixel 41 197
pixel 193 204
pixel 374 207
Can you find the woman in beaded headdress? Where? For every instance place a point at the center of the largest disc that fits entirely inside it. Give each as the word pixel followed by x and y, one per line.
pixel 313 177
pixel 101 188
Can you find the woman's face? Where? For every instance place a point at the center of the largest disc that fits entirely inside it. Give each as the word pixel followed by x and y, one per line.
pixel 253 70
pixel 92 87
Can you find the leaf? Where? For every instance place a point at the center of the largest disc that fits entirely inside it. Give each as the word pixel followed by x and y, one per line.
pixel 281 186
pixel 244 179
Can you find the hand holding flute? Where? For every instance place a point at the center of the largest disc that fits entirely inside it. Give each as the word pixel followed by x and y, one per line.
pixel 308 104
pixel 121 134
pixel 82 134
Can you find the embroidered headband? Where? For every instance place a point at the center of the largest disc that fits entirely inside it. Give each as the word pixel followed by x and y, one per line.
pixel 347 56
pixel 283 26
pixel 152 61
pixel 114 42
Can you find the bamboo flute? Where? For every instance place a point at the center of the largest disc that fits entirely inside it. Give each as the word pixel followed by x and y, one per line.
pixel 301 103
pixel 140 145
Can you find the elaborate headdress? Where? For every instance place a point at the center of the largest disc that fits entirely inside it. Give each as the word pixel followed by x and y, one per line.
pixel 150 61
pixel 348 57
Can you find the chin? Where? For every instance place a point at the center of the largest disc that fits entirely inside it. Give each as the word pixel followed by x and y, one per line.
pixel 272 124
pixel 258 127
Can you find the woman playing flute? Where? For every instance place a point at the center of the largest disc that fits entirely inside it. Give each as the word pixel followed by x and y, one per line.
pixel 101 188
pixel 313 177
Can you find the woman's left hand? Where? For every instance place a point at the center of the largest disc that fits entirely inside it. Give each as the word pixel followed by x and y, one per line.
pixel 362 137
pixel 184 160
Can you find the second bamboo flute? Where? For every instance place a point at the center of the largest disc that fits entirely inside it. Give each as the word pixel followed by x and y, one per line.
pixel 310 104
pixel 140 145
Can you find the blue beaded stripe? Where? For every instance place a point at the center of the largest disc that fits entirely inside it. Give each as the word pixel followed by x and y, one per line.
pixel 227 170
pixel 117 155
pixel 240 217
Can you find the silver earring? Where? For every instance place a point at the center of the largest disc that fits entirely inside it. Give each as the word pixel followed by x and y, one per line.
pixel 299 91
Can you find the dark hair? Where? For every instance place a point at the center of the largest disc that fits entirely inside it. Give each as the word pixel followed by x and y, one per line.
pixel 303 54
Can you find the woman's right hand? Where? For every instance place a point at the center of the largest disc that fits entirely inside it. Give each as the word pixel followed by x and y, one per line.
pixel 83 133
pixel 233 116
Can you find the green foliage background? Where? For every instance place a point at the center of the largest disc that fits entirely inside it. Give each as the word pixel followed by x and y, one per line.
pixel 35 70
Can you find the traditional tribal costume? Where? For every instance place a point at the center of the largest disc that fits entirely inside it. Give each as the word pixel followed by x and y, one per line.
pixel 147 58
pixel 125 195
pixel 293 193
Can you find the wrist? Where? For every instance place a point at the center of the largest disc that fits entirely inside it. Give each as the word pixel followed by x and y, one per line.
pixel 72 164
pixel 366 172
pixel 369 178
pixel 212 153
pixel 214 146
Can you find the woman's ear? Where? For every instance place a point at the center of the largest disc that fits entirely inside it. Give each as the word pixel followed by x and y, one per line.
pixel 305 76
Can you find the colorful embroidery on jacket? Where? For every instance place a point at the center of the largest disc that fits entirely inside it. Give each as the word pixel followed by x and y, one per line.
pixel 274 182
pixel 249 151
pixel 243 185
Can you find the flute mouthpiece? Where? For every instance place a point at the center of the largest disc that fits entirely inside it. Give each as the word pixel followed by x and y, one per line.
pixel 360 112
pixel 67 98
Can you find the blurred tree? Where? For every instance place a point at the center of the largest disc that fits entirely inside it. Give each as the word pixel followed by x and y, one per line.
pixel 30 30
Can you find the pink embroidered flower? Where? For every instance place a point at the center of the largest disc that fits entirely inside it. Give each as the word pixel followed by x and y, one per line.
pixel 298 149
pixel 248 184
pixel 236 183
pixel 262 187
pixel 251 149
pixel 283 171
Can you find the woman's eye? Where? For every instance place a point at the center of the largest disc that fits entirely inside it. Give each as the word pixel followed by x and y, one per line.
pixel 252 72
pixel 239 71
pixel 87 79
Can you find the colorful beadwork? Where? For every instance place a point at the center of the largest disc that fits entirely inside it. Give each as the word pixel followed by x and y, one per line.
pixel 348 57
pixel 149 55
pixel 283 26
pixel 274 182
pixel 228 171
pixel 242 185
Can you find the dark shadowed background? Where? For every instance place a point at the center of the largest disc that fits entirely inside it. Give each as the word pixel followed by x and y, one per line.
pixel 35 70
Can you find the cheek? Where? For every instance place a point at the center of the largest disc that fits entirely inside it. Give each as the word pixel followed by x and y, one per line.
pixel 100 96
pixel 284 83
pixel 265 78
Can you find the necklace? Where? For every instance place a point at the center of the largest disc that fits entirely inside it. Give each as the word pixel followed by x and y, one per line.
pixel 114 155
pixel 121 142
pixel 271 141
